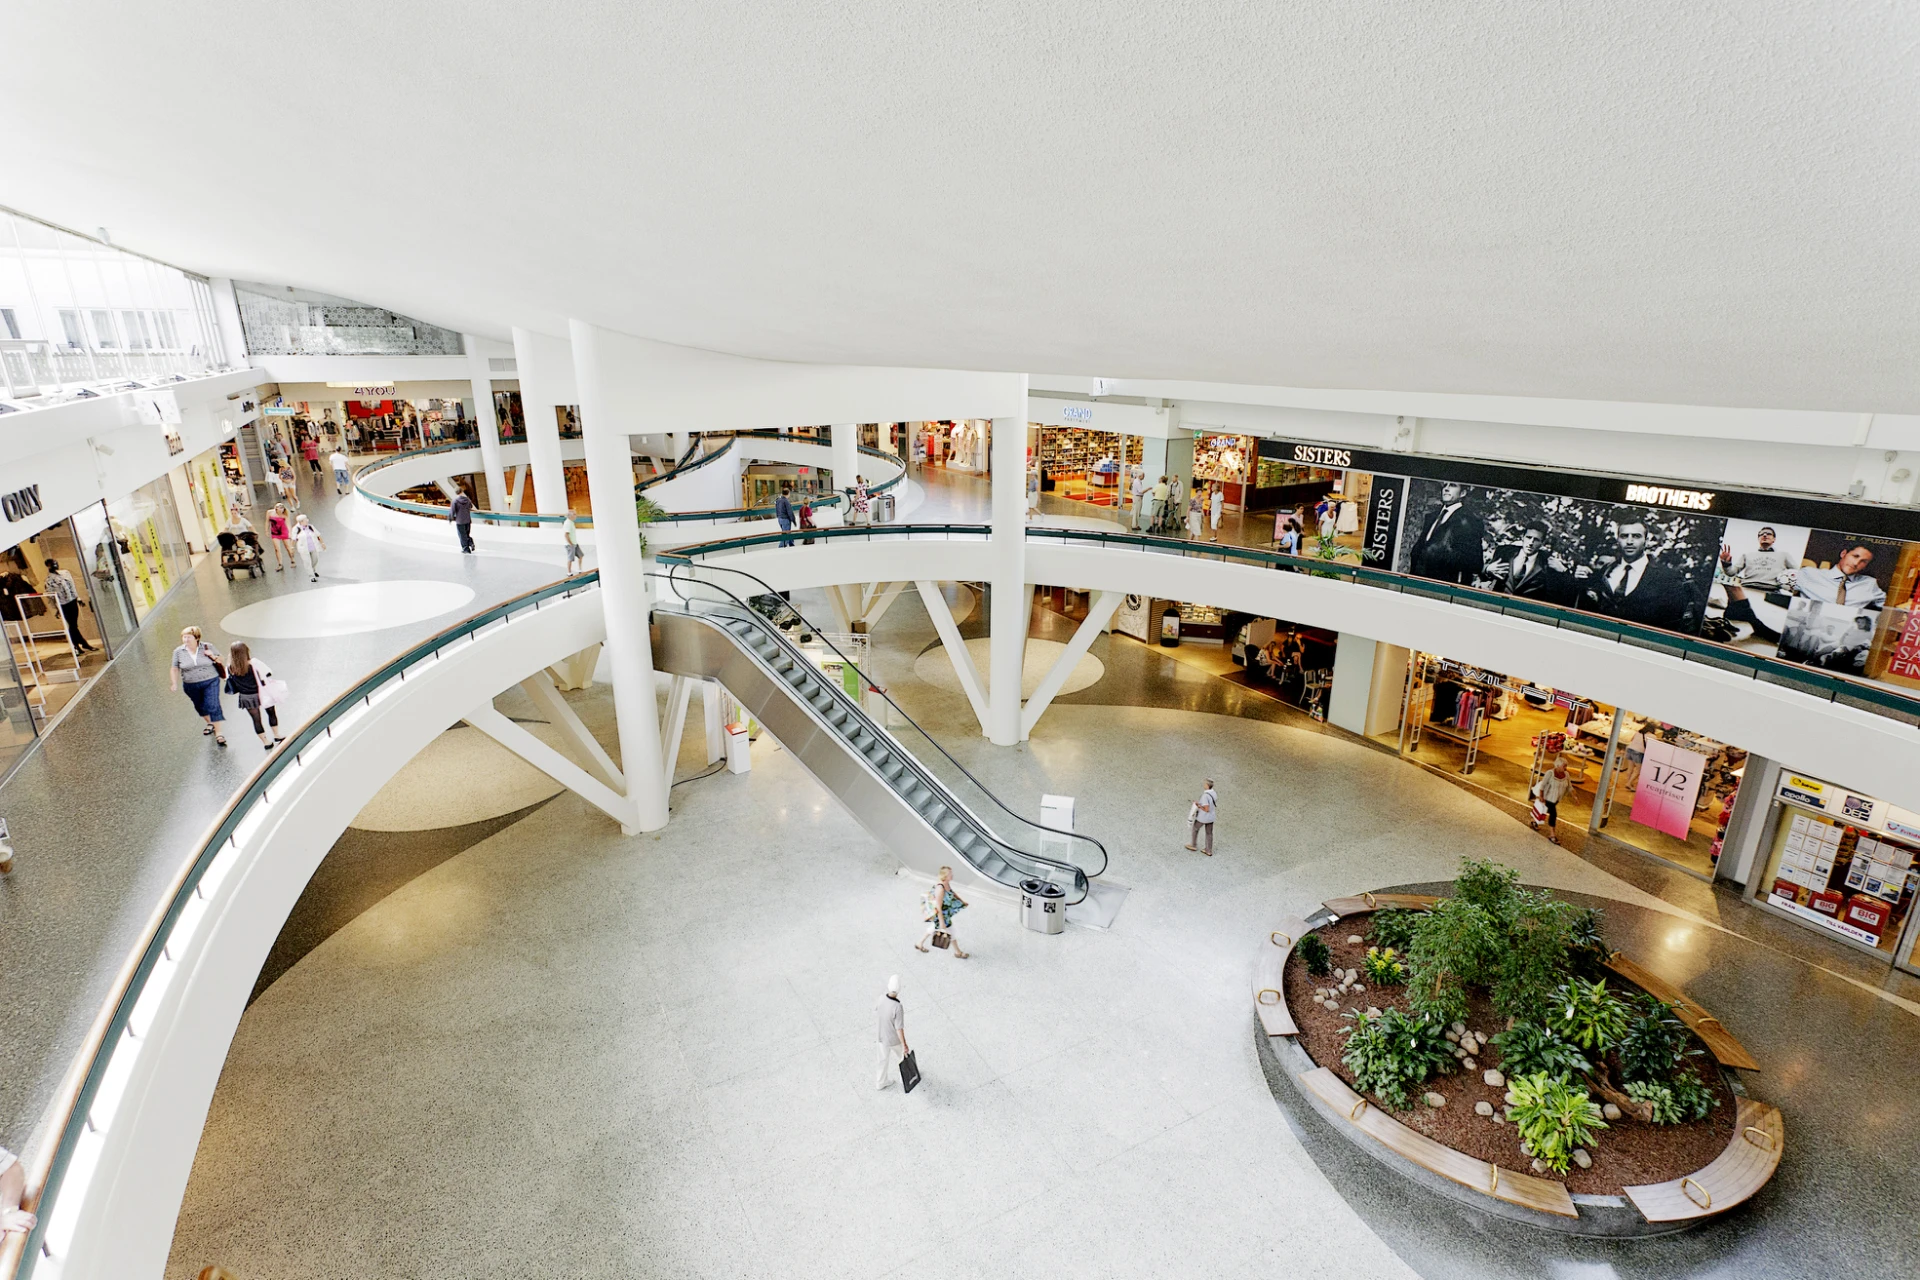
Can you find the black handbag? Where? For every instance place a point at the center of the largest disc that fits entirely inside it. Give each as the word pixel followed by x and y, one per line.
pixel 909 1073
pixel 942 940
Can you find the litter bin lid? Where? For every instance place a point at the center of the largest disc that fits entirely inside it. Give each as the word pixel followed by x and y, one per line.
pixel 1041 888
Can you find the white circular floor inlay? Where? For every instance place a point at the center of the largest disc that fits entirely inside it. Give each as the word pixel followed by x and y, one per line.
pixel 345 610
pixel 936 668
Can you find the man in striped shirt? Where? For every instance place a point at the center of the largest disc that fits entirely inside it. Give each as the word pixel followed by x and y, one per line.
pixel 67 596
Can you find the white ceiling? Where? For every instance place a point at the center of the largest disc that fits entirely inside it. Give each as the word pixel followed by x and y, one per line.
pixel 1638 200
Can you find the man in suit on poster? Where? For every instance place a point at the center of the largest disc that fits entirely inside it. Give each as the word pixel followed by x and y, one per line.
pixel 1633 586
pixel 1533 572
pixel 1450 548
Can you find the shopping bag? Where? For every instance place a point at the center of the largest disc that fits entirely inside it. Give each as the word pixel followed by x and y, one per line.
pixel 1539 811
pixel 275 690
pixel 909 1073
pixel 942 940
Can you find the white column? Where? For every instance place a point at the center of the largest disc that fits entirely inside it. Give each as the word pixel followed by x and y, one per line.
pixel 531 351
pixel 844 454
pixel 604 425
pixel 226 314
pixel 486 422
pixel 1008 618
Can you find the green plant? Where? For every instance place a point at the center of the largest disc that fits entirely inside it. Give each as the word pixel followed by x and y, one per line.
pixel 1654 1047
pixel 647 511
pixel 1553 1117
pixel 1454 946
pixel 1532 963
pixel 1394 927
pixel 1586 944
pixel 1686 1097
pixel 1382 967
pixel 1527 1048
pixel 1491 887
pixel 1312 950
pixel 1587 1014
pixel 1390 1053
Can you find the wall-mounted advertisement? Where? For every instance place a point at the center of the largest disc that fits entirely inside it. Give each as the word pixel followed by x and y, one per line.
pixel 1647 565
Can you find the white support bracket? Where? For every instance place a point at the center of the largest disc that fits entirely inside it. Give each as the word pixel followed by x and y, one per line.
pixel 515 488
pixel 675 724
pixel 956 648
pixel 880 599
pixel 1099 613
pixel 540 688
pixel 713 713
pixel 489 721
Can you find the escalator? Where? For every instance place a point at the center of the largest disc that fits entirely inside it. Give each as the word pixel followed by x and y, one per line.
pixel 926 807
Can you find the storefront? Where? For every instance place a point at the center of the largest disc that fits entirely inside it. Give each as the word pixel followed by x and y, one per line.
pixel 1636 781
pixel 1843 863
pixel 1084 464
pixel 962 445
pixel 1227 461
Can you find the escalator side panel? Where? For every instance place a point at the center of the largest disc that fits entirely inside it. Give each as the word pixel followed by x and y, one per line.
pixel 692 647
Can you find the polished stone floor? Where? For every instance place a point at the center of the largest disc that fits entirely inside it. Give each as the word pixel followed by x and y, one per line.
pixel 108 806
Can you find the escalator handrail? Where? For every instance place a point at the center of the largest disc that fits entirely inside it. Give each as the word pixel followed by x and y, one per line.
pixel 1078 875
pixel 678 564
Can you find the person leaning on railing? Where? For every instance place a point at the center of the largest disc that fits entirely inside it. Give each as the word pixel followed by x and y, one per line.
pixel 13 1185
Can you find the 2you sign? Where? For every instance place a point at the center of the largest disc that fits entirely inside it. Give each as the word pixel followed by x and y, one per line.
pixel 21 503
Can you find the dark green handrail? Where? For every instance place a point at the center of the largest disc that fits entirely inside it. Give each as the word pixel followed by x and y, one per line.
pixel 1829 686
pixel 127 995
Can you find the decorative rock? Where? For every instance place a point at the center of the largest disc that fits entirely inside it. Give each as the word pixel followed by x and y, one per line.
pixel 1458 1028
pixel 1354 939
pixel 1358 987
pixel 1435 1100
pixel 1526 1148
pixel 1353 975
pixel 1483 1108
pixel 1469 1064
pixel 1581 1158
pixel 1538 1166
pixel 1458 1052
pixel 1494 1079
pixel 1610 1111
pixel 1511 1100
pixel 1453 1035
pixel 1372 1012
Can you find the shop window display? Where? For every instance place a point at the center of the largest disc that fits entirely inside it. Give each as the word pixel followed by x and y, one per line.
pixel 1086 465
pixel 1226 461
pixel 1672 792
pixel 1845 863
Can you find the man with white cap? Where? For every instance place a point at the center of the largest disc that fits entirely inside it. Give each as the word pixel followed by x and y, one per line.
pixel 893 1032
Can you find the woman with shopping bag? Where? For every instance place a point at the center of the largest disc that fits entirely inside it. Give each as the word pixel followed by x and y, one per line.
pixel 941 902
pixel 1547 795
pixel 249 679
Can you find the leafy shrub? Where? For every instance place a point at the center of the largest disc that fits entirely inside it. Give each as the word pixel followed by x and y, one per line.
pixel 1455 946
pixel 1684 1098
pixel 1553 1118
pixel 1533 962
pixel 1586 944
pixel 1392 1053
pixel 1489 886
pixel 1394 927
pixel 1382 967
pixel 1655 1044
pixel 1312 950
pixel 1527 1048
pixel 1588 1015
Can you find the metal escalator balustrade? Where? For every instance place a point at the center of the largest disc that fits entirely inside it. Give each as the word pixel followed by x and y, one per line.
pixel 951 802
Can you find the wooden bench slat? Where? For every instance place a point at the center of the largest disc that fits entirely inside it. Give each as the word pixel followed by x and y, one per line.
pixel 1365 902
pixel 1735 1174
pixel 1269 975
pixel 1542 1194
pixel 1727 1050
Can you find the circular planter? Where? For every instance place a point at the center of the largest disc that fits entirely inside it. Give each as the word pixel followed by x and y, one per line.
pixel 1284 1060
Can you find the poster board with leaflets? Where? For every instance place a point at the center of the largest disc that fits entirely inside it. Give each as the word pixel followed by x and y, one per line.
pixel 1845 861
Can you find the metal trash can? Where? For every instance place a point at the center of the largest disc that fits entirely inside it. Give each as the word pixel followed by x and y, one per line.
pixel 1043 905
pixel 884 507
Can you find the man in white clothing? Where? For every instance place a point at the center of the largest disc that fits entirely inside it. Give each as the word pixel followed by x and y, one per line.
pixel 341 467
pixel 892 1018
pixel 1201 821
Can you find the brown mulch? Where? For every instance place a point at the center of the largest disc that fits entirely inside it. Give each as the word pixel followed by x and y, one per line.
pixel 1626 1153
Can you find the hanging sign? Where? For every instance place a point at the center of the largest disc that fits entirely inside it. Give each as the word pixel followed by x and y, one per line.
pixel 1669 784
pixel 1381 536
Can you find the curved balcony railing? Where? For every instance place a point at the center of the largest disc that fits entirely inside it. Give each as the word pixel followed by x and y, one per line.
pixel 687 463
pixel 1829 686
pixel 71 1116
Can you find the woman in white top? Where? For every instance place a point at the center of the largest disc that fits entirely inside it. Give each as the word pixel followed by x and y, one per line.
pixel 1216 502
pixel 308 542
pixel 1195 513
pixel 1550 791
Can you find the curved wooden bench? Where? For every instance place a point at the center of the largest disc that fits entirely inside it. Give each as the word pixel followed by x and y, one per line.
pixel 1719 1041
pixel 1365 902
pixel 1541 1194
pixel 1759 1138
pixel 1269 978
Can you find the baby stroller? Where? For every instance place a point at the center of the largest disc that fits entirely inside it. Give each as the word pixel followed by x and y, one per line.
pixel 242 552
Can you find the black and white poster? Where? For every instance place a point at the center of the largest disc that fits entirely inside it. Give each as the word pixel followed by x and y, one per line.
pixel 1652 566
